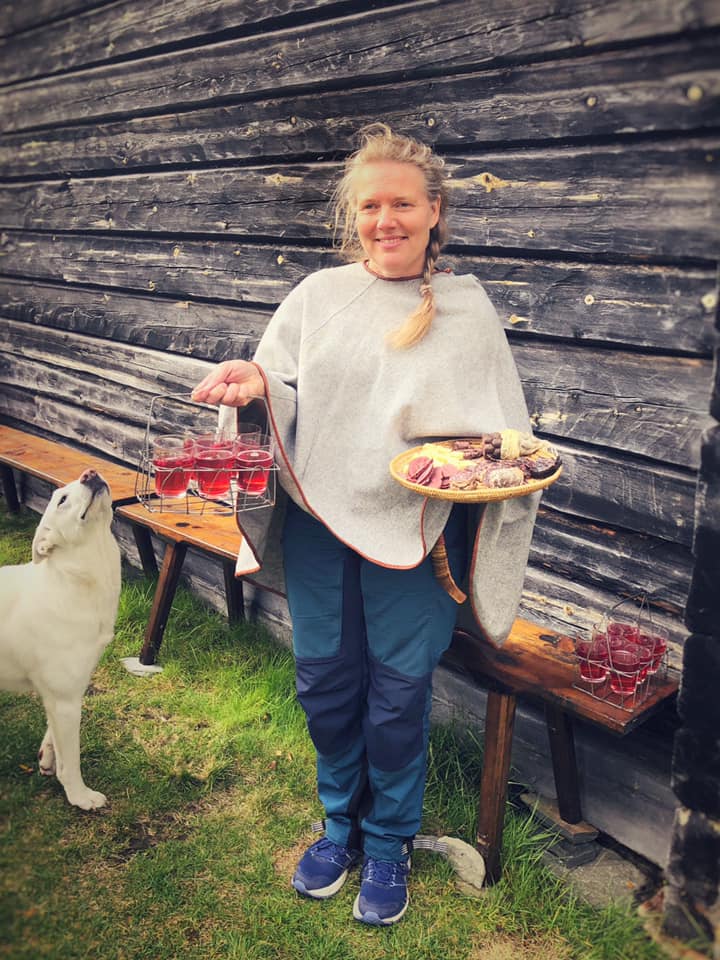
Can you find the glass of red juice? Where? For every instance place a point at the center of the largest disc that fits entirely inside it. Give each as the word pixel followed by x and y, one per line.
pixel 625 669
pixel 214 461
pixel 656 638
pixel 622 630
pixel 173 460
pixel 592 660
pixel 253 462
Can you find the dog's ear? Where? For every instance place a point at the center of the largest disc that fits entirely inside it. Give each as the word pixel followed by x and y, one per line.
pixel 43 543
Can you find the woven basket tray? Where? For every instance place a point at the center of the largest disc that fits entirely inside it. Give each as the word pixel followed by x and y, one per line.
pixel 398 470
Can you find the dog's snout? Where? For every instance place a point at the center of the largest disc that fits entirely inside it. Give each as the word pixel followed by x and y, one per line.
pixel 93 480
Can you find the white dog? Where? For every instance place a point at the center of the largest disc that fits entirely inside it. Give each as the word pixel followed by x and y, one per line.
pixel 57 614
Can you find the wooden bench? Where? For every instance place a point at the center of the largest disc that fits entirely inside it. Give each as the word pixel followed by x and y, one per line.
pixel 217 535
pixel 56 463
pixel 539 665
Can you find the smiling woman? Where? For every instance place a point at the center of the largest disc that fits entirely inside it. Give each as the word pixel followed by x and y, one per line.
pixel 354 368
pixel 394 218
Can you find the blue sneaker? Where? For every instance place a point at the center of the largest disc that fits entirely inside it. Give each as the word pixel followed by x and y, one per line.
pixel 323 869
pixel 383 897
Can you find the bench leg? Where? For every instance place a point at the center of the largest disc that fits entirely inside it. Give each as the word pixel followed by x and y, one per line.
pixel 233 593
pixel 143 542
pixel 162 601
pixel 499 723
pixel 9 488
pixel 562 751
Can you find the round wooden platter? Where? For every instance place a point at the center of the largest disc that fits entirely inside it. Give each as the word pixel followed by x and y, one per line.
pixel 398 470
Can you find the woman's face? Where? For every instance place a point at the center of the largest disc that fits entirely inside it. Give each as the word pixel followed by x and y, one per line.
pixel 394 217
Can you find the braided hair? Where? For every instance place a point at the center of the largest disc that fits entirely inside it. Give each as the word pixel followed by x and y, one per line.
pixel 379 143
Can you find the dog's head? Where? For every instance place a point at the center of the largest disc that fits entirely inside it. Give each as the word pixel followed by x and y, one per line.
pixel 72 513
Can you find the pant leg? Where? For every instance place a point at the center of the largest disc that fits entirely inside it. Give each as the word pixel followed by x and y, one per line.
pixel 409 622
pixel 323 588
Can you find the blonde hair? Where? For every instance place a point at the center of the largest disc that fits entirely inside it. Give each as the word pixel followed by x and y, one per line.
pixel 379 143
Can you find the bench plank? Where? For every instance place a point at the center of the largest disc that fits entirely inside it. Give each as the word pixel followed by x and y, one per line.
pixel 216 534
pixel 59 464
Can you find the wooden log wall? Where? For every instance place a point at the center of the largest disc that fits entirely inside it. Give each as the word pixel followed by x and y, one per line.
pixel 164 182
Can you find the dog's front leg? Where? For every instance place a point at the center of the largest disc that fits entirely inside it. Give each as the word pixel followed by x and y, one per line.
pixel 64 722
pixel 46 755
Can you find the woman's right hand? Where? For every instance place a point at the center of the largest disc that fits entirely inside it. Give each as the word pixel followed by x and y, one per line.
pixel 233 383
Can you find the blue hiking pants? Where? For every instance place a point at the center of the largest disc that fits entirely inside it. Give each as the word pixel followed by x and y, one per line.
pixel 366 641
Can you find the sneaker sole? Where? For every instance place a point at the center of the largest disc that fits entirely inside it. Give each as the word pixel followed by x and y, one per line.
pixel 373 919
pixel 321 893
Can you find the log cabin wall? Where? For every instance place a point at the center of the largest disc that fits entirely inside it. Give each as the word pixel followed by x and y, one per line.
pixel 164 182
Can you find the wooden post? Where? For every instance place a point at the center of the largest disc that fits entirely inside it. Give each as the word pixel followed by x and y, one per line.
pixel 499 723
pixel 9 488
pixel 562 751
pixel 233 593
pixel 162 601
pixel 143 542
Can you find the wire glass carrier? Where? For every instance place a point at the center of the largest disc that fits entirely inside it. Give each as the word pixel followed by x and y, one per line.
pixel 189 465
pixel 625 657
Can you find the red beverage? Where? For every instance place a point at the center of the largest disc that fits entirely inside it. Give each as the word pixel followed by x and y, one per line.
pixel 645 658
pixel 624 671
pixel 214 468
pixel 253 466
pixel 658 645
pixel 629 632
pixel 172 474
pixel 592 661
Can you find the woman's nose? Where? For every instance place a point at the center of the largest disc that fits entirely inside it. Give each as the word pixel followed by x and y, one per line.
pixel 386 217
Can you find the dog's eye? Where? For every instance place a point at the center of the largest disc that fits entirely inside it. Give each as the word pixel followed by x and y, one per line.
pixel 62 499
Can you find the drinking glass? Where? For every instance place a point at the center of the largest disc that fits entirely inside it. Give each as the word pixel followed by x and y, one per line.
pixel 624 670
pixel 623 630
pixel 214 461
pixel 656 638
pixel 173 461
pixel 253 462
pixel 592 660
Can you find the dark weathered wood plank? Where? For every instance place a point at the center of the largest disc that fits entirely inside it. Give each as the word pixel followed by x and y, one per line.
pixel 648 405
pixel 622 492
pixel 659 308
pixel 15 17
pixel 217 269
pixel 674 87
pixel 203 330
pixel 427 35
pixel 591 200
pixel 640 200
pixel 97 35
pixel 612 559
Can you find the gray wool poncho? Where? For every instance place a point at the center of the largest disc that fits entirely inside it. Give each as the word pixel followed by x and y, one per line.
pixel 342 404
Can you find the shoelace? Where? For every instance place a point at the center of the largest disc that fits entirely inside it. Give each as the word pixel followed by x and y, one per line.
pixel 388 872
pixel 333 851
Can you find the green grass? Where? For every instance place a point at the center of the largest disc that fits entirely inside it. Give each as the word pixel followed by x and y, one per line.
pixel 210 776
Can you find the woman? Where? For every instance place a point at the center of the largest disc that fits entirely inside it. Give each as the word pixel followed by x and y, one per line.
pixel 358 364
